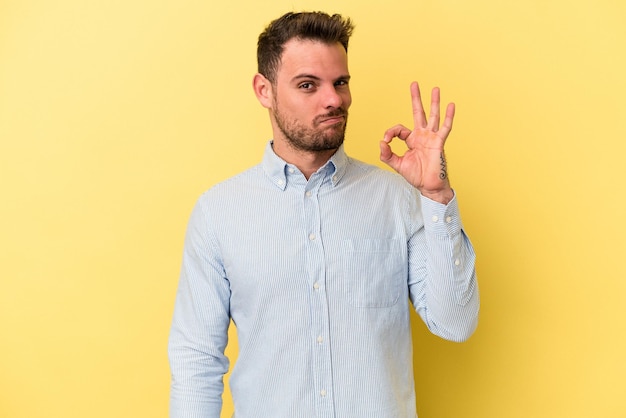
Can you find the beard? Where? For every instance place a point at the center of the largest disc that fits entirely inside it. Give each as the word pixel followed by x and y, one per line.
pixel 313 139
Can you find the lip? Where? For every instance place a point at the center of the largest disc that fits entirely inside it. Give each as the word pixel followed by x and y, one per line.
pixel 332 120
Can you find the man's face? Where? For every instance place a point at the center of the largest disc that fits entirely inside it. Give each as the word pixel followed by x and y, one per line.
pixel 311 95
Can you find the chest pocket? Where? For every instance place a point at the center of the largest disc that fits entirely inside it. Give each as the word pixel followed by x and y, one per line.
pixel 373 272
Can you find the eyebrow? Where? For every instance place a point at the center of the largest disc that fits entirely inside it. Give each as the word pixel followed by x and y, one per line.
pixel 316 78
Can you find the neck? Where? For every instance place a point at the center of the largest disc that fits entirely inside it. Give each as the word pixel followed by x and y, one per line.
pixel 308 162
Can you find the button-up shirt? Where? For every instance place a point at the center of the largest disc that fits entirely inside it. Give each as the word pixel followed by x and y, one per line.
pixel 318 277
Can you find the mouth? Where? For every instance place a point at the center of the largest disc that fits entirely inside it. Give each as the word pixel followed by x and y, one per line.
pixel 331 119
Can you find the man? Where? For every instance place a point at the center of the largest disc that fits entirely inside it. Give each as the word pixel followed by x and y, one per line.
pixel 315 256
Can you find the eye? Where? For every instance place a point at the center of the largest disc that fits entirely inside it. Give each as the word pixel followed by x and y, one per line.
pixel 307 85
pixel 342 82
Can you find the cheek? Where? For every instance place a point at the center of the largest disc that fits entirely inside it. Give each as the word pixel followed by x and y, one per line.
pixel 347 100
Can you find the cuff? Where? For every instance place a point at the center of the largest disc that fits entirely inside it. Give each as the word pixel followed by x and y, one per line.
pixel 441 219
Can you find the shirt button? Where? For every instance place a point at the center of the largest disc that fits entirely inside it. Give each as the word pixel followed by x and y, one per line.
pixel 308 194
pixel 320 339
pixel 280 182
pixel 312 237
pixel 435 218
pixel 449 219
pixel 291 170
pixel 316 285
pixel 323 392
pixel 457 262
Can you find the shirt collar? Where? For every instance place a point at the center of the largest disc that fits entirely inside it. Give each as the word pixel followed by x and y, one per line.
pixel 277 169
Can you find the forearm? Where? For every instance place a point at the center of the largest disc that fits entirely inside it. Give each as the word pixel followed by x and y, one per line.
pixel 197 360
pixel 195 396
pixel 445 292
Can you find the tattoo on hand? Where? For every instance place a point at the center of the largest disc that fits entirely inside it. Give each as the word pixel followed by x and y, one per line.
pixel 444 172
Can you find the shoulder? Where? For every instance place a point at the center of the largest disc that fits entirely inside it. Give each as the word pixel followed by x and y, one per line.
pixel 374 175
pixel 381 185
pixel 226 193
pixel 251 177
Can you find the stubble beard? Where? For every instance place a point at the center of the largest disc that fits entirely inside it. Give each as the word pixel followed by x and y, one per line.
pixel 313 139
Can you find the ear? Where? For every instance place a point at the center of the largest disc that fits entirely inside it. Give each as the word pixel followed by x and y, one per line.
pixel 263 90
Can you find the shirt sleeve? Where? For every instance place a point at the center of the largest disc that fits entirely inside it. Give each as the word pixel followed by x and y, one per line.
pixel 442 275
pixel 199 331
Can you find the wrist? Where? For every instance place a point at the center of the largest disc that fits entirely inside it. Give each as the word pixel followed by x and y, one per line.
pixel 441 196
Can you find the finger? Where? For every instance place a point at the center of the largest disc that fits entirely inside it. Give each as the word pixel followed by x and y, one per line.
pixel 433 119
pixel 419 117
pixel 446 127
pixel 398 131
pixel 388 157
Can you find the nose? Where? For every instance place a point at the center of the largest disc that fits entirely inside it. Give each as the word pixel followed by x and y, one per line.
pixel 332 98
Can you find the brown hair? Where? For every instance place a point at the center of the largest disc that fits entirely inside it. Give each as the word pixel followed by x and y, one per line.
pixel 317 26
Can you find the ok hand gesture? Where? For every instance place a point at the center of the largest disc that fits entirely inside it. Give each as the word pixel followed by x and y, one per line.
pixel 424 162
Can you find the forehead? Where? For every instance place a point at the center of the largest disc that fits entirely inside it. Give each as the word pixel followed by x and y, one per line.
pixel 313 57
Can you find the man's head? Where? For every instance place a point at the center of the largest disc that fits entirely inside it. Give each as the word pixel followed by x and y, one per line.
pixel 314 26
pixel 303 80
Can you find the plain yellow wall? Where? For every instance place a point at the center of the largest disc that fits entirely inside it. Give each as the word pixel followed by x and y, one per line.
pixel 115 115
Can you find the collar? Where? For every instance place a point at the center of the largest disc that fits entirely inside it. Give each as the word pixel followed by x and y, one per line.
pixel 278 170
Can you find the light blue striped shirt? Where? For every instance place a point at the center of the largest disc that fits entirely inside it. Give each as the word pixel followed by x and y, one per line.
pixel 317 276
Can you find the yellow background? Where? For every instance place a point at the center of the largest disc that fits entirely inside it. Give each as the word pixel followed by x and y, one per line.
pixel 115 115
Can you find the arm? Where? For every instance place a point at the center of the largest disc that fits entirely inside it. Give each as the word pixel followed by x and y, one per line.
pixel 199 330
pixel 442 276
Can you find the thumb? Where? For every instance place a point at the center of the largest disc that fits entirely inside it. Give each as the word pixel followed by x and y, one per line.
pixel 387 156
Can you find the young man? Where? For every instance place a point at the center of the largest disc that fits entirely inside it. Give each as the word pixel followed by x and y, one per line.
pixel 315 256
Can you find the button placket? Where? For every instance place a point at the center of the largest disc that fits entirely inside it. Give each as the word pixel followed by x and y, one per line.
pixel 316 269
